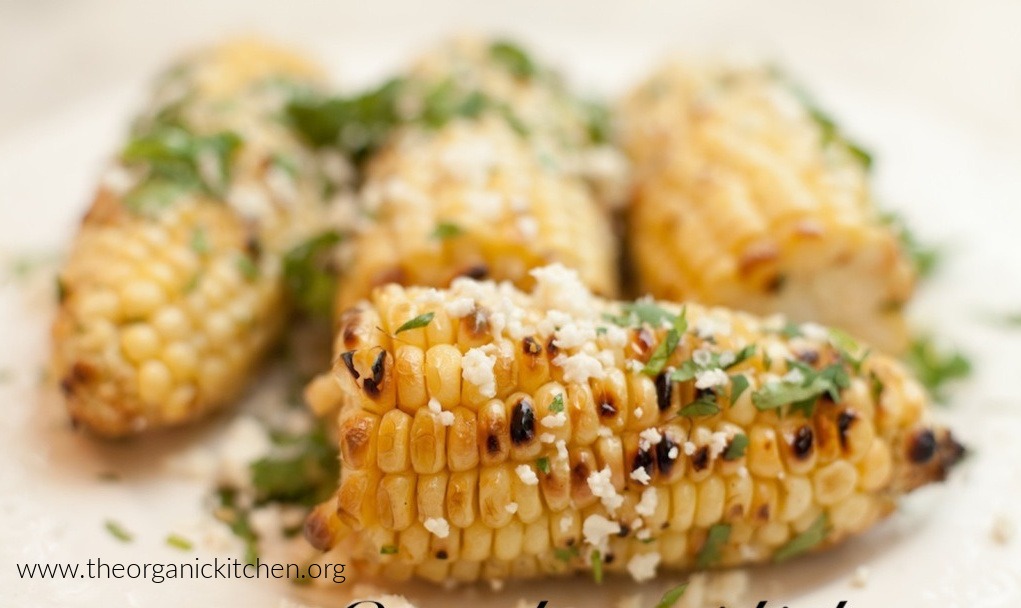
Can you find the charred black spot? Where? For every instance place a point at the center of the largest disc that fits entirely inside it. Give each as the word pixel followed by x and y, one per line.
pixel 477 272
pixel 569 542
pixel 607 409
pixel 580 473
pixel 551 348
pixel 763 512
pixel 776 284
pixel 664 391
pixel 922 447
pixel 253 247
pixel 844 422
pixel 803 440
pixel 643 460
pixel 522 427
pixel 371 385
pixel 530 347
pixel 492 444
pixel 349 362
pixel 663 459
pixel 705 394
pixel 700 459
pixel 624 530
pixel 609 559
pixel 441 554
pixel 811 357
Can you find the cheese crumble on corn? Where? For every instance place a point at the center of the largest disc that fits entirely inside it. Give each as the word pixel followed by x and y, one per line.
pixel 648 472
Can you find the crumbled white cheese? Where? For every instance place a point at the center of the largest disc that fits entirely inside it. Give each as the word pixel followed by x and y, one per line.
pixel 615 336
pixel 528 227
pixel 561 446
pixel 597 529
pixel 718 442
pixel 565 523
pixel 639 412
pixel 512 508
pixel 485 204
pixel 438 526
pixel 649 437
pixel 861 576
pixel 635 366
pixel 645 534
pixel 794 376
pixel 554 421
pixel 642 567
pixel 579 368
pixel 673 453
pixel 641 476
pixel 711 326
pixel 477 368
pixel 702 357
pixel 446 418
pixel 460 307
pixel 602 487
pixel 553 321
pixel 727 358
pixel 647 505
pixel 607 358
pixel 814 331
pixel 689 448
pixel 711 377
pixel 547 438
pixel 527 475
pixel 559 287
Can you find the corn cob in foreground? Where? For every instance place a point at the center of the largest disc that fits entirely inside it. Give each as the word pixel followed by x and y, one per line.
pixel 487 433
pixel 172 291
pixel 747 196
pixel 476 163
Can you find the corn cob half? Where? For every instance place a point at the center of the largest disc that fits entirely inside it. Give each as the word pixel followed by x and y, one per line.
pixel 486 433
pixel 481 171
pixel 747 196
pixel 172 290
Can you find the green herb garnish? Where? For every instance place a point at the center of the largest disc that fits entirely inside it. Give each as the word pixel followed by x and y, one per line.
pixel 304 472
pixel 805 541
pixel 597 567
pixel 200 241
pixel 309 275
pixel 543 465
pixel 179 542
pixel 118 531
pixel 513 58
pixel 247 268
pixel 419 321
pixel 936 367
pixel 672 595
pixel 666 348
pixel 711 551
pixel 738 385
pixel 565 555
pixel 237 520
pixel 388 550
pixel 557 405
pixel 446 230
pixel 737 447
pixel 700 407
pixel 926 258
pixel 802 395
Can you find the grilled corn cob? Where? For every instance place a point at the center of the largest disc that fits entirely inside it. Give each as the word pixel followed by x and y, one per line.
pixel 489 433
pixel 482 176
pixel 172 290
pixel 747 196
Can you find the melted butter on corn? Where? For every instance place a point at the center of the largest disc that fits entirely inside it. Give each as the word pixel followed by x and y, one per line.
pixel 626 481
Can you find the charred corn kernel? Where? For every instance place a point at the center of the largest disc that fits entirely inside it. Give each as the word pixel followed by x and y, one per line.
pixel 172 291
pixel 744 197
pixel 534 480
pixel 491 190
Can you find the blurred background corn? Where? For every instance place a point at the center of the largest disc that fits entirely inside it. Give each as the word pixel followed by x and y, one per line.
pixel 746 195
pixel 486 433
pixel 172 290
pixel 478 162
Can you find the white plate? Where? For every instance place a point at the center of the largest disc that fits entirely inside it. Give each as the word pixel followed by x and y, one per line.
pixel 955 182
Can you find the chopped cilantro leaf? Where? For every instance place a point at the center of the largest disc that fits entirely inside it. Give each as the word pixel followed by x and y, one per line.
pixel 303 472
pixel 700 407
pixel 513 58
pixel 711 551
pixel 738 385
pixel 672 595
pixel 247 268
pixel 179 542
pixel 308 274
pixel 936 367
pixel 419 321
pixel 737 447
pixel 446 230
pixel 802 396
pixel 388 550
pixel 557 405
pixel 805 541
pixel 117 531
pixel 597 567
pixel 543 465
